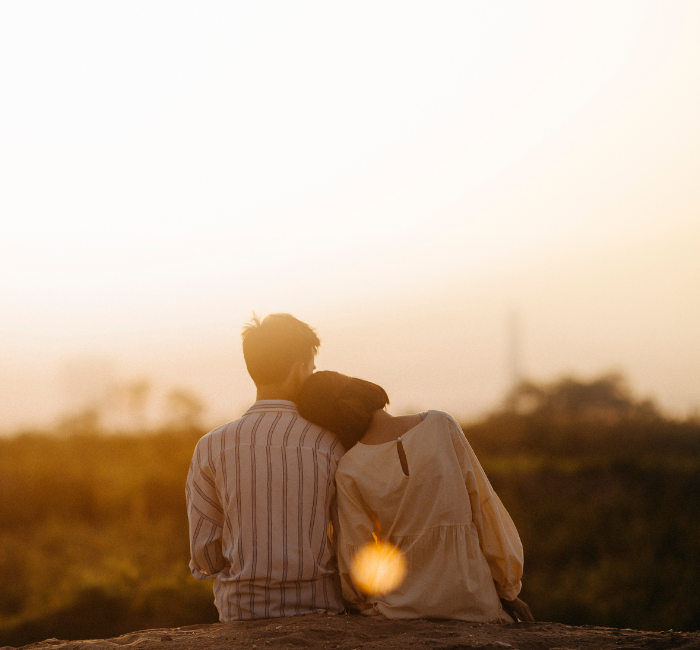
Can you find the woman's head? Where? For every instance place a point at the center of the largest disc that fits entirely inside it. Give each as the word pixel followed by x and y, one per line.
pixel 341 404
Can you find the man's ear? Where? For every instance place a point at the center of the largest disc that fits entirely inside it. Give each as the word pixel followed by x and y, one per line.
pixel 297 370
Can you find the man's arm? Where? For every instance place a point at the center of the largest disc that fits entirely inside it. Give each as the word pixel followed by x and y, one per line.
pixel 206 519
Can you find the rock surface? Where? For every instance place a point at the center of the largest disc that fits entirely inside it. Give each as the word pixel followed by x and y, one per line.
pixel 319 632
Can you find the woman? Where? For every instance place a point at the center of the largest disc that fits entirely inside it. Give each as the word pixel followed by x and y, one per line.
pixel 414 481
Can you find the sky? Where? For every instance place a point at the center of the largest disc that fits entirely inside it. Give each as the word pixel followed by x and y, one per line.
pixel 410 178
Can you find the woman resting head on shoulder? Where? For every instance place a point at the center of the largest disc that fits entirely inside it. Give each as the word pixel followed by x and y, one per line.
pixel 413 481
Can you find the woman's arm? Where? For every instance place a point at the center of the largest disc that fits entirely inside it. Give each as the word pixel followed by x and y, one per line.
pixel 518 610
pixel 355 531
pixel 498 537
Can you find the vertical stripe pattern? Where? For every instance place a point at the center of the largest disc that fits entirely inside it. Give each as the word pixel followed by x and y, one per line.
pixel 260 492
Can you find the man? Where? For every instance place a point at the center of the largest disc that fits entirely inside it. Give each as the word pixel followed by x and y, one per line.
pixel 261 490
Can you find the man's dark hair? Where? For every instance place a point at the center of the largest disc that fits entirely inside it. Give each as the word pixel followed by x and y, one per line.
pixel 341 404
pixel 272 346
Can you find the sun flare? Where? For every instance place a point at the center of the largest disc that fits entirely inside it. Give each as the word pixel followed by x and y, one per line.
pixel 378 568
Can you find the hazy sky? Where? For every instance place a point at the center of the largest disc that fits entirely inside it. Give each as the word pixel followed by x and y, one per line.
pixel 403 176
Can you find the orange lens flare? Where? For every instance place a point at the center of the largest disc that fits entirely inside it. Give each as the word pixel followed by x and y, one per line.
pixel 378 568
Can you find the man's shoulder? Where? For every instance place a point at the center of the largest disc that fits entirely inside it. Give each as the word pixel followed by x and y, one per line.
pixel 302 432
pixel 316 436
pixel 216 433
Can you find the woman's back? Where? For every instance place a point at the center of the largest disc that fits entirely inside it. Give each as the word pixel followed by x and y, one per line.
pixel 438 507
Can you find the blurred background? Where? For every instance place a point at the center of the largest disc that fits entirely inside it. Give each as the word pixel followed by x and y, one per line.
pixel 488 208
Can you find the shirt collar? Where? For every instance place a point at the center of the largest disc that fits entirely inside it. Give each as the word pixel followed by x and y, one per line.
pixel 268 405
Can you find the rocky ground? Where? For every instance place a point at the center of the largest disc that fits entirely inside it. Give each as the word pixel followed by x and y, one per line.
pixel 357 632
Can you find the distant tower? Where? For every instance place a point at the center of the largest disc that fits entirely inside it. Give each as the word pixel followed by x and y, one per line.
pixel 514 361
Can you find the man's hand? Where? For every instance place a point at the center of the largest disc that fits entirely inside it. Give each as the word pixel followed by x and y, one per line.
pixel 518 610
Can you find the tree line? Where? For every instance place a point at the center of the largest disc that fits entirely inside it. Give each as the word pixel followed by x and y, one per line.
pixel 603 488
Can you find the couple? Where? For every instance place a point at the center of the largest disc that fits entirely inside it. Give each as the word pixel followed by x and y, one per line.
pixel 281 500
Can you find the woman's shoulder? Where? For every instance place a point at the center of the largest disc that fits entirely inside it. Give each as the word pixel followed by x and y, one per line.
pixel 442 418
pixel 352 471
pixel 445 427
pixel 350 459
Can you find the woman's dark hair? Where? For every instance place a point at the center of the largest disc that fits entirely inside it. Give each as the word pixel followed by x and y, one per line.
pixel 341 404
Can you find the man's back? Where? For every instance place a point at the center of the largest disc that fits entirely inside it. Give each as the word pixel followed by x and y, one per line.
pixel 260 496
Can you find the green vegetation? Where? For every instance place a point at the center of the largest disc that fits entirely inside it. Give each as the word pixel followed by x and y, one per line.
pixel 606 497
pixel 604 491
pixel 94 536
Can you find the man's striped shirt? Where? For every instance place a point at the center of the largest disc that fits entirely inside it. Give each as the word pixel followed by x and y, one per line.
pixel 260 500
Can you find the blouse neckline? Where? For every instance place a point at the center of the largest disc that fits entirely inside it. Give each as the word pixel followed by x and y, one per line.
pixel 423 415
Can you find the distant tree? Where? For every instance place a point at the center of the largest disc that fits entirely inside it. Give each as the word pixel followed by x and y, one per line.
pixel 604 400
pixel 86 422
pixel 126 404
pixel 184 409
pixel 137 393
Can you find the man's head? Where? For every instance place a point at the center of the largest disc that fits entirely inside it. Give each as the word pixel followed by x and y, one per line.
pixel 279 351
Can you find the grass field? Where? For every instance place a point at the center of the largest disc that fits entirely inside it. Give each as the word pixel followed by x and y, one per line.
pixel 94 530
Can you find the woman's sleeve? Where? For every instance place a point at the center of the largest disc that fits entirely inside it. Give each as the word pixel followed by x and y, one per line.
pixel 356 530
pixel 498 537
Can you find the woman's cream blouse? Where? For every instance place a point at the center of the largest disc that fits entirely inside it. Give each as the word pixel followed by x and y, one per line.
pixel 461 546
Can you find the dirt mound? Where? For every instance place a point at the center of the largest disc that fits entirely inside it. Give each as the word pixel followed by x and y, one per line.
pixel 358 632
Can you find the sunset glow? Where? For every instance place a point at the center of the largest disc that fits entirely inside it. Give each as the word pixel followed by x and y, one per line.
pixel 401 176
